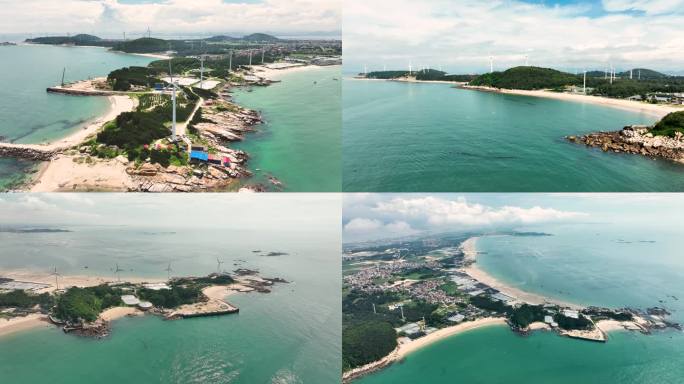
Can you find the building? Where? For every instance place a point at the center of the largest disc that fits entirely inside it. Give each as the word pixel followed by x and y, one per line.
pixel 457 318
pixel 130 300
pixel 571 313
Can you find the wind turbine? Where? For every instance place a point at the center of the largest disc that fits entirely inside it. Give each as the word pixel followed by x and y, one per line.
pixel 585 81
pixel 250 57
pixel 56 275
pixel 630 74
pixel 230 62
pixel 149 33
pixel 202 71
pixel 491 64
pixel 263 52
pixel 218 265
pixel 410 68
pixel 173 102
pixel 168 271
pixel 117 270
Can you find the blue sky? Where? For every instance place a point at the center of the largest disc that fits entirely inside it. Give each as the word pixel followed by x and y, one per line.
pixel 567 35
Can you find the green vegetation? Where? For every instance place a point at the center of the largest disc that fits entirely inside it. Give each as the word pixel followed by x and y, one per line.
pixel 486 303
pixel 425 75
pixel 81 39
pixel 670 124
pixel 365 342
pixel 20 299
pixel 570 323
pixel 143 45
pixel 122 79
pixel 527 78
pixel 86 304
pixel 172 298
pixel 526 314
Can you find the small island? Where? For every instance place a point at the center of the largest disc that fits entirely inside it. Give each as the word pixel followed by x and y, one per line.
pixel 88 305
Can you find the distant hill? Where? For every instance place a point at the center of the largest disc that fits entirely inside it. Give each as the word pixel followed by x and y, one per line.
pixel 527 78
pixel 220 38
pixel 260 37
pixel 143 45
pixel 425 75
pixel 646 74
pixel 80 39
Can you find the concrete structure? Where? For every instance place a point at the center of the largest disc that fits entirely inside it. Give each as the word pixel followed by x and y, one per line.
pixel 130 300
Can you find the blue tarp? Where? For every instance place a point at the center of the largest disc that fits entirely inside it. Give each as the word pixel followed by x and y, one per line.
pixel 199 155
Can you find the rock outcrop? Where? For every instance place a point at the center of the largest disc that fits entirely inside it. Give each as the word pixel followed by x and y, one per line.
pixel 636 139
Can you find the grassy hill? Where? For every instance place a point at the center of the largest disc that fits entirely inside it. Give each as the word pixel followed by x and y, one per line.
pixel 527 78
pixel 80 39
pixel 668 125
pixel 260 37
pixel 143 45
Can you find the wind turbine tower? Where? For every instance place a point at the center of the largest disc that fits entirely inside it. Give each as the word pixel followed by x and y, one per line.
pixel 168 271
pixel 630 74
pixel 201 71
pixel 585 82
pixel 117 270
pixel 230 62
pixel 527 61
pixel 149 33
pixel 218 265
pixel 410 69
pixel 491 64
pixel 56 275
pixel 263 52
pixel 250 57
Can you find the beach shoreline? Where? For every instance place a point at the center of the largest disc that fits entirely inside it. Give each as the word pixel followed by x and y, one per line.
pixel 275 74
pixel 469 248
pixel 655 110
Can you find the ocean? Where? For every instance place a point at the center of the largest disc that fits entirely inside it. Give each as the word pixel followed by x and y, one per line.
pixel 291 335
pixel 28 114
pixel 401 137
pixel 300 142
pixel 605 264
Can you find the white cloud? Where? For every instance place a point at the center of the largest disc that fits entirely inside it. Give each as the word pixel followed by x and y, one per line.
pixel 171 16
pixel 460 36
pixel 381 216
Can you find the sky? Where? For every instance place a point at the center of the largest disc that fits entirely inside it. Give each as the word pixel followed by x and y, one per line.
pixel 460 36
pixel 110 18
pixel 384 216
pixel 312 213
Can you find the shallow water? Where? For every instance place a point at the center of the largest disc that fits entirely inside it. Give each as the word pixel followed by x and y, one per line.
pixel 400 137
pixel 300 142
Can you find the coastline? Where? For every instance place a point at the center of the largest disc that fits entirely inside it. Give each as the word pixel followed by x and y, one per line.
pixel 19 324
pixel 470 254
pixel 406 349
pixel 655 110
pixel 275 74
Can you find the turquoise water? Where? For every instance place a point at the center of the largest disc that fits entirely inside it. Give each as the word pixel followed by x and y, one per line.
pixel 300 142
pixel 291 335
pixel 28 114
pixel 496 355
pixel 400 137
pixel 607 264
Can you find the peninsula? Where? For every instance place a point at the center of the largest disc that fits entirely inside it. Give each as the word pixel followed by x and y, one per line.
pixel 401 295
pixel 86 305
pixel 171 123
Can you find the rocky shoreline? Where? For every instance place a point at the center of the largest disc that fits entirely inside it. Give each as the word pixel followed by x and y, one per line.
pixel 636 139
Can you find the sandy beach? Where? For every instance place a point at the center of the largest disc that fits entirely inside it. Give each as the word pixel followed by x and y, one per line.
pixel 119 312
pixel 656 110
pixel 276 74
pixel 406 349
pixel 220 292
pixel 18 324
pixel 63 174
pixel 470 254
pixel 67 281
